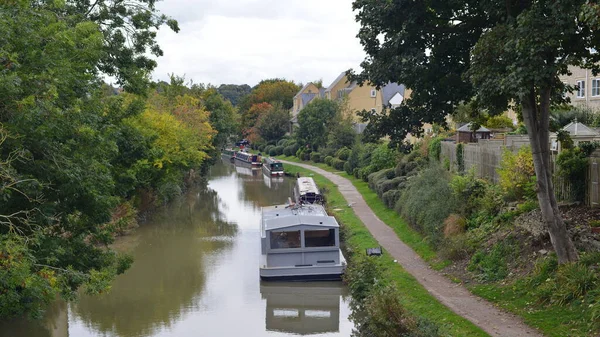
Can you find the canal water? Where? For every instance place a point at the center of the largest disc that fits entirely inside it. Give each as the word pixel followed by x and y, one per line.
pixel 196 274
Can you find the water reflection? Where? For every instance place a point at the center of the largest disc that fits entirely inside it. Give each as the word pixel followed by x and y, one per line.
pixel 302 308
pixel 166 281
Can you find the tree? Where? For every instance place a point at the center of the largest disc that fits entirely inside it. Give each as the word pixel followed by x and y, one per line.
pixel 223 116
pixel 314 122
pixel 496 52
pixel 273 124
pixel 271 91
pixel 234 92
pixel 250 117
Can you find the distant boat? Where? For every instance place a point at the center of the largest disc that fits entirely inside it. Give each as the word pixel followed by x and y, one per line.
pixel 228 154
pixel 300 243
pixel 307 192
pixel 250 158
pixel 272 167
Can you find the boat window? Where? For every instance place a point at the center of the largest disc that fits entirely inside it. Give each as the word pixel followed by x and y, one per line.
pixel 290 239
pixel 277 166
pixel 319 238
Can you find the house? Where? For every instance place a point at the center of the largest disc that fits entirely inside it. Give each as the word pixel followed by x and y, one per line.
pixel 308 92
pixel 367 97
pixel 587 87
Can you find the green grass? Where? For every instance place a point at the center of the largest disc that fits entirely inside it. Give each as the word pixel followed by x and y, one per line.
pixel 554 321
pixel 416 299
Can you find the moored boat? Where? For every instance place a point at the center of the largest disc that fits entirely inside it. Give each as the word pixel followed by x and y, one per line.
pixel 250 158
pixel 307 192
pixel 300 243
pixel 272 167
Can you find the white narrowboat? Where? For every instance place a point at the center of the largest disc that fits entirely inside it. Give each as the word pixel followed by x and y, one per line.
pixel 307 192
pixel 300 243
pixel 272 167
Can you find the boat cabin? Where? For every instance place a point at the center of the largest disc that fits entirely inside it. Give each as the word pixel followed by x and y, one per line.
pixel 307 192
pixel 273 167
pixel 300 242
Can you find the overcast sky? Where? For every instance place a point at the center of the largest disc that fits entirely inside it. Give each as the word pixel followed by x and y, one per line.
pixel 245 41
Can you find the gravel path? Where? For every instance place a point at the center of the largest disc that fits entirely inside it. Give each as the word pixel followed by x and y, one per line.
pixel 456 297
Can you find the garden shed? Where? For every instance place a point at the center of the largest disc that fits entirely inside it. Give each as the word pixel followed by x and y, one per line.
pixel 464 134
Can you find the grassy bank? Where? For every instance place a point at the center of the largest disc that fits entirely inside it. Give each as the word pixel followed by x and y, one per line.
pixel 416 299
pixel 514 295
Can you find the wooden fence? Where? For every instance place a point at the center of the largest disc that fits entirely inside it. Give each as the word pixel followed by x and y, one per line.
pixel 486 155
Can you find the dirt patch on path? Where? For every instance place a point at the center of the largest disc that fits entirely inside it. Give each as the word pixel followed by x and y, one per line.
pixel 456 297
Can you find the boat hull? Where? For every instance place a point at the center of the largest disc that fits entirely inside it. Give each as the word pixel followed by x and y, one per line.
pixel 332 272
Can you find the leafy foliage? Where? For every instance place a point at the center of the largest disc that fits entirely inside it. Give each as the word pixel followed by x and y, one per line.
pixel 517 175
pixel 273 124
pixel 314 121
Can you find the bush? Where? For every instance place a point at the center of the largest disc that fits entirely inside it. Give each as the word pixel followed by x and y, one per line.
pixel 347 167
pixel 365 172
pixel 383 157
pixel 306 156
pixel 299 153
pixel 390 198
pixel 469 191
pixel 435 148
pixel 517 174
pixel 499 122
pixel 315 157
pixel 282 142
pixel 329 160
pixel 572 166
pixel 374 178
pixel 338 164
pixel 427 201
pixel 268 149
pixel 289 150
pixel 278 150
pixel 343 153
pixel 456 248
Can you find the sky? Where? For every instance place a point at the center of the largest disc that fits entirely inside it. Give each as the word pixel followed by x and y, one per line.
pixel 245 41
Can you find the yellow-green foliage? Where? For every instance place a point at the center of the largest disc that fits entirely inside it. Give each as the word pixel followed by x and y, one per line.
pixel 517 174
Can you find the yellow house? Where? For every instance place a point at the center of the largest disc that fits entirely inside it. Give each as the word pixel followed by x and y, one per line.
pixel 308 92
pixel 367 97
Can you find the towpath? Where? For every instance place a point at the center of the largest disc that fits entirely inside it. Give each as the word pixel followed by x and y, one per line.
pixel 456 297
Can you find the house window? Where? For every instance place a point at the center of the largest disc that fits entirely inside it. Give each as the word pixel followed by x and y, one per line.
pixel 288 239
pixel 596 87
pixel 580 89
pixel 373 93
pixel 319 238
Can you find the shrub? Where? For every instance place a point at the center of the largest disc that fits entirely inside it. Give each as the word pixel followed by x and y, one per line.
pixel 383 157
pixel 338 164
pixel 374 178
pixel 306 156
pixel 454 224
pixel 572 166
pixel 460 158
pixel 343 153
pixel 456 247
pixel 328 160
pixel 499 122
pixel 469 191
pixel 279 150
pixel 289 150
pixel 390 198
pixel 268 149
pixel 435 148
pixel 365 172
pixel 315 157
pixel 427 201
pixel 517 174
pixel 347 167
pixel 299 153
pixel 282 142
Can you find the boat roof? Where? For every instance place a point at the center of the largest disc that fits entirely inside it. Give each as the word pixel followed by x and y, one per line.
pixel 306 185
pixel 282 216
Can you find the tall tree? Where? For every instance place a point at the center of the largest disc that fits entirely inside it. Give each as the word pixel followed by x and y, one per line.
pixel 315 121
pixel 234 92
pixel 273 124
pixel 495 52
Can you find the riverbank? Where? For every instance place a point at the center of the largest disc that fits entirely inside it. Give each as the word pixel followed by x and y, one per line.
pixel 454 296
pixel 416 299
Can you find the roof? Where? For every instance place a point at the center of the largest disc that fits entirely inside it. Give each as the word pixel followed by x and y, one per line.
pixel 303 88
pixel 282 216
pixel 306 184
pixel 576 128
pixel 335 82
pixel 306 98
pixel 467 128
pixel 390 90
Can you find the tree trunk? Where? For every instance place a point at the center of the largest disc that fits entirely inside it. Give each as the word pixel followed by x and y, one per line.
pixel 536 118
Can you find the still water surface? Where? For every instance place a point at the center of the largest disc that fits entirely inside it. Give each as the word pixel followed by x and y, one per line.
pixel 196 274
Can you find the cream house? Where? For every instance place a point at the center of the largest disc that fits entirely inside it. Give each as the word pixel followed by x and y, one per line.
pixel 587 87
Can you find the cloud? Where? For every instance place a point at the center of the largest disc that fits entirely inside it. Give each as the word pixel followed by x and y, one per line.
pixel 245 41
